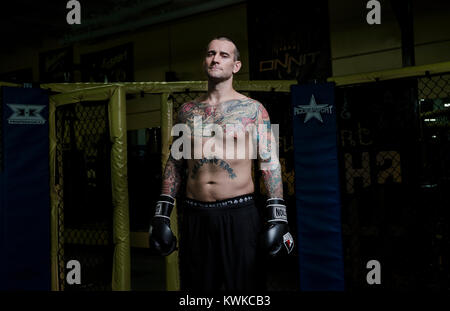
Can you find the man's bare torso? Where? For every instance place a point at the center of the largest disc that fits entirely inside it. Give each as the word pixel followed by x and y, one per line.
pixel 226 174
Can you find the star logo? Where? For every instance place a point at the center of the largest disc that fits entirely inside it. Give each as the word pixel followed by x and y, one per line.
pixel 26 114
pixel 313 110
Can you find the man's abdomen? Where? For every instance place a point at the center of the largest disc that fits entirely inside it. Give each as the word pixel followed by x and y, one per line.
pixel 216 179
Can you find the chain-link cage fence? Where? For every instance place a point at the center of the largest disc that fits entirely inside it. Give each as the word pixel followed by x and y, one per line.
pixel 83 184
pixel 434 108
pixel 393 143
pixel 377 146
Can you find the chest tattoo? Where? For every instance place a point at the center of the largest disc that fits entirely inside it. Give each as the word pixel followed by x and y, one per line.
pixel 234 112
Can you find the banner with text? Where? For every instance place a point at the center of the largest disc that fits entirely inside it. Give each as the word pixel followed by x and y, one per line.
pixel 24 189
pixel 287 43
pixel 317 188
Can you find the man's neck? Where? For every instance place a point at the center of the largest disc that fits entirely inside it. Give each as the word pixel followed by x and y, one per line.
pixel 219 92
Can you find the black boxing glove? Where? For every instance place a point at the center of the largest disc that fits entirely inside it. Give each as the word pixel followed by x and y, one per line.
pixel 162 241
pixel 276 238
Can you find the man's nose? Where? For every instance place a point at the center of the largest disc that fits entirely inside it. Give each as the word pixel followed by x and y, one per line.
pixel 215 58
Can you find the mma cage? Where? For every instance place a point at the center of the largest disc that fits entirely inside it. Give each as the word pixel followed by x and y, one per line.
pixel 89 177
pixel 90 188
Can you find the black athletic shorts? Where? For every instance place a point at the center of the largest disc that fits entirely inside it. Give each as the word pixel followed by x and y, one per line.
pixel 219 245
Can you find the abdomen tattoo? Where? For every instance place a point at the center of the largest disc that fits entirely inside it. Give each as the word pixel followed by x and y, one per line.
pixel 218 162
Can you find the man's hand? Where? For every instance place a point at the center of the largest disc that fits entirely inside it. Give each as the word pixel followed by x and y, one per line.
pixel 161 238
pixel 276 239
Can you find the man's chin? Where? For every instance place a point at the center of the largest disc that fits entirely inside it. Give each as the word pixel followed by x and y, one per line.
pixel 217 79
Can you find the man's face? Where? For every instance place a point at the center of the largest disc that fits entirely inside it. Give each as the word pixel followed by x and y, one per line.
pixel 219 63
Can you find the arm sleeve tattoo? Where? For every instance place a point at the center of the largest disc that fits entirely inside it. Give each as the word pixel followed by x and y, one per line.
pixel 172 177
pixel 173 172
pixel 268 161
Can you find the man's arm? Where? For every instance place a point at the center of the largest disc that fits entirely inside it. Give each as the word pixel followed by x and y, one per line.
pixel 267 156
pixel 162 241
pixel 276 238
pixel 173 172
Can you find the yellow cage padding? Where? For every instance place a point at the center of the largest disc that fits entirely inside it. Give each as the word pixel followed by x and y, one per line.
pixel 121 233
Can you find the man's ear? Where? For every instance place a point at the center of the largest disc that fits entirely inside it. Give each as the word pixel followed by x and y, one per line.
pixel 237 66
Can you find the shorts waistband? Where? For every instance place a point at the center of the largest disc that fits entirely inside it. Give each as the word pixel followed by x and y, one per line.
pixel 236 201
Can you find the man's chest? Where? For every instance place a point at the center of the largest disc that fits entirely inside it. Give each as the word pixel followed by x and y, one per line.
pixel 226 116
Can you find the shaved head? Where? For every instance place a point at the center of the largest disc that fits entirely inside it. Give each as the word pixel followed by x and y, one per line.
pixel 237 55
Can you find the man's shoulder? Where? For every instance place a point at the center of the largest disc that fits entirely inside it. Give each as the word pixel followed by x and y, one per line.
pixel 187 105
pixel 254 101
pixel 250 101
pixel 191 104
pixel 187 108
pixel 256 104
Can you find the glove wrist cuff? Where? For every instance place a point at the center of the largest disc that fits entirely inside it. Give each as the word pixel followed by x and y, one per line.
pixel 164 206
pixel 276 210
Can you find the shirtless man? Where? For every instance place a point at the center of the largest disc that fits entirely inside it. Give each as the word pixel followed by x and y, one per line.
pixel 222 236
